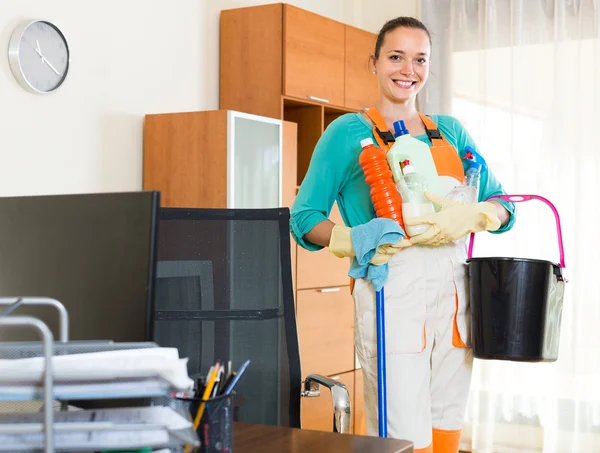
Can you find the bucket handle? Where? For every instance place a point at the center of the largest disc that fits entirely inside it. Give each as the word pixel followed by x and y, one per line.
pixel 520 198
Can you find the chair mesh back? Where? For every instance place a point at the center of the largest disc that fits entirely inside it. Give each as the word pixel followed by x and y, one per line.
pixel 224 293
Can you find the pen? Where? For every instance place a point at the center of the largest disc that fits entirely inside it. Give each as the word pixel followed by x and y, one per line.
pixel 236 378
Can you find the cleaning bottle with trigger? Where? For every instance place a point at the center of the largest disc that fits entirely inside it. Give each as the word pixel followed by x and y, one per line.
pixel 406 147
pixel 473 165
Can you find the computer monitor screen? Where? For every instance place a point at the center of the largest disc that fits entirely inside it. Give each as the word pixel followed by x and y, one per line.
pixel 95 253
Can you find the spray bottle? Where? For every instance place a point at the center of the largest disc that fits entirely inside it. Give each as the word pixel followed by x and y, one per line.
pixel 473 164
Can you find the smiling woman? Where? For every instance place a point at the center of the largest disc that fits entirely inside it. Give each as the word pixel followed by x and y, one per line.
pixel 401 62
pixel 428 357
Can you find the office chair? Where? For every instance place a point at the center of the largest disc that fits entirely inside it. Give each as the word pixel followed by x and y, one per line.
pixel 224 293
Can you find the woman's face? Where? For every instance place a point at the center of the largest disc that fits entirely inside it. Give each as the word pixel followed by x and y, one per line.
pixel 403 63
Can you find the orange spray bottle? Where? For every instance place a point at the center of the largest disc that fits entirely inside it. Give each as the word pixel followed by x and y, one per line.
pixel 384 194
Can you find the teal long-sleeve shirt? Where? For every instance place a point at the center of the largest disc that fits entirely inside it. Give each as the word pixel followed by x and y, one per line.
pixel 334 174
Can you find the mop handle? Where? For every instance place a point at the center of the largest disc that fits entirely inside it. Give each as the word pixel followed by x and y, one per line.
pixel 520 198
pixel 381 364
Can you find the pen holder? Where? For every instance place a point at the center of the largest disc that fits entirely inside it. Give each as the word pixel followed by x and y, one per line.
pixel 215 430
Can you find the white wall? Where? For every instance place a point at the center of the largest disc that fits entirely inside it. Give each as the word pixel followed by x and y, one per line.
pixel 372 14
pixel 129 58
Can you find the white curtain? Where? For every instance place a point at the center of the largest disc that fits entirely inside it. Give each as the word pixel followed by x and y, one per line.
pixel 523 76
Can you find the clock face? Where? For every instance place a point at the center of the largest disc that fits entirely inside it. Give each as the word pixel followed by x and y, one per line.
pixel 39 56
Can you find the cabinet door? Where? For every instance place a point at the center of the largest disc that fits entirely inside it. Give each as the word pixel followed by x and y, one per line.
pixel 361 89
pixel 251 59
pixel 317 413
pixel 322 269
pixel 313 56
pixel 325 330
pixel 254 161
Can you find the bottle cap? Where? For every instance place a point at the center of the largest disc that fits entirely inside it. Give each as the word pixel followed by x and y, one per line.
pixel 400 128
pixel 366 142
pixel 407 167
pixel 473 160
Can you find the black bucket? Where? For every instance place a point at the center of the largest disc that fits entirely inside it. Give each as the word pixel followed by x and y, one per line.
pixel 516 303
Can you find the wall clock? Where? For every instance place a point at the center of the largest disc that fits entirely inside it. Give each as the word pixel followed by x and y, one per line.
pixel 39 56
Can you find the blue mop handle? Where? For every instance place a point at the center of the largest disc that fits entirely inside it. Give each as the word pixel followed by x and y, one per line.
pixel 381 367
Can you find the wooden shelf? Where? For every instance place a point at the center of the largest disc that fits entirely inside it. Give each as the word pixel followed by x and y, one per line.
pixel 310 120
pixel 334 110
pixel 290 101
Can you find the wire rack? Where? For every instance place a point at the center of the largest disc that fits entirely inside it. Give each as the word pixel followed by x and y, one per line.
pixel 56 398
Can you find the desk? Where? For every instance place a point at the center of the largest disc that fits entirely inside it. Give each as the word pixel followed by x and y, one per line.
pixel 250 438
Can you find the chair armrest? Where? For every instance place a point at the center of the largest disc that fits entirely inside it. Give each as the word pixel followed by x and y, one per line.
pixel 339 395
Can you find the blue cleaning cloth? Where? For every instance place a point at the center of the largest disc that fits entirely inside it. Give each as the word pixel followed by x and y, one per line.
pixel 366 239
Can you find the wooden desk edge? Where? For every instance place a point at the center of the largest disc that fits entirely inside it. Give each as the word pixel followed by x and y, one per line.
pixel 240 428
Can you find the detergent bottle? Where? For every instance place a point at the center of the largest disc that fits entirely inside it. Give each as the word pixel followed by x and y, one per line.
pixel 417 152
pixel 414 204
pixel 384 195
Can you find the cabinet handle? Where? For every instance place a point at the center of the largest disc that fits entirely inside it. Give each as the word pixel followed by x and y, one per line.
pixel 330 290
pixel 315 98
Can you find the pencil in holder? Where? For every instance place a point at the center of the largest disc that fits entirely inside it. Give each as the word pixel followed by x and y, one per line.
pixel 215 430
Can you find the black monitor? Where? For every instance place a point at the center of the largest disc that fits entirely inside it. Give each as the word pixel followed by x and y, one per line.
pixel 95 253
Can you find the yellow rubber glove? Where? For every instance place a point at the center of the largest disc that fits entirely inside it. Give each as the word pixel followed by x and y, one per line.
pixel 455 220
pixel 340 244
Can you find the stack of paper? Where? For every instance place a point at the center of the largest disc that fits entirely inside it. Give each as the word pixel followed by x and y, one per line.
pixel 122 370
pixel 126 428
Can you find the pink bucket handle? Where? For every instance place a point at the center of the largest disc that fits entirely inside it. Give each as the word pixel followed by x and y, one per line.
pixel 520 198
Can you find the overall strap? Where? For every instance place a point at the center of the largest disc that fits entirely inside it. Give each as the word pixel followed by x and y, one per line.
pixel 434 134
pixel 445 155
pixel 385 139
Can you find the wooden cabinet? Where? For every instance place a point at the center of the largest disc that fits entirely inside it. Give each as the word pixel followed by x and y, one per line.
pixel 322 269
pixel 313 56
pixel 325 330
pixel 217 159
pixel 361 88
pixel 251 59
pixel 278 51
pixel 317 412
pixel 175 164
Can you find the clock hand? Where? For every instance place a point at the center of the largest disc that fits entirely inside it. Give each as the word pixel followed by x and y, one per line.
pixel 44 60
pixel 50 65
